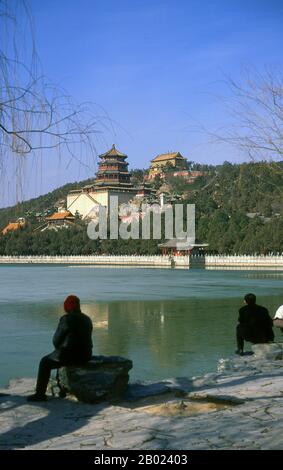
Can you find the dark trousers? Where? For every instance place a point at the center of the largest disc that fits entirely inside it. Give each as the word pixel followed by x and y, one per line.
pixel 240 338
pixel 243 334
pixel 45 366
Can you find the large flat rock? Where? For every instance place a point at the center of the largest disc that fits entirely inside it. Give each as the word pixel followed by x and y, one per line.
pixel 251 418
pixel 102 378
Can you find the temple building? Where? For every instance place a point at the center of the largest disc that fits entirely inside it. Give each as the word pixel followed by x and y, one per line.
pixel 112 179
pixel 145 191
pixel 13 226
pixel 172 160
pixel 58 220
pixel 113 169
pixel 181 247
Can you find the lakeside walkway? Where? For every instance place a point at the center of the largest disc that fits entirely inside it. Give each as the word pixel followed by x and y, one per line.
pixel 239 407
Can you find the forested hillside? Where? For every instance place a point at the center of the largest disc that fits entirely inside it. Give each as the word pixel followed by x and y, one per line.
pixel 43 203
pixel 238 210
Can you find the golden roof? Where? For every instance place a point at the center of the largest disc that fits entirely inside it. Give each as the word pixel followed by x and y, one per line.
pixel 60 216
pixel 168 156
pixel 112 152
pixel 12 226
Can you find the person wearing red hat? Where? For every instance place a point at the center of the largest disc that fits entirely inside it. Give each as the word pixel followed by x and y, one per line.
pixel 72 342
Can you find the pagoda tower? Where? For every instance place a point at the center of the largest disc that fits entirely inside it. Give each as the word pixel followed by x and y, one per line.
pixel 113 170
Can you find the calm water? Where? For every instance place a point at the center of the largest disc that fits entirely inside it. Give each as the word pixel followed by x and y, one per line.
pixel 171 323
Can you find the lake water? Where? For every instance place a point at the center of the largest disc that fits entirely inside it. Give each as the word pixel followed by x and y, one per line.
pixel 171 323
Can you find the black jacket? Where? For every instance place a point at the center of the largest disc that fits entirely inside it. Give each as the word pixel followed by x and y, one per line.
pixel 72 339
pixel 256 324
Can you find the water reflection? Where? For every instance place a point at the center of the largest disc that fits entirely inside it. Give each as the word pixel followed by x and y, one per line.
pixel 165 338
pixel 170 323
pixel 181 337
pixel 264 276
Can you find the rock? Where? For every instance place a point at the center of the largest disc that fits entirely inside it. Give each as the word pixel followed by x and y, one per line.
pixel 237 364
pixel 205 380
pixel 263 355
pixel 102 378
pixel 145 389
pixel 271 351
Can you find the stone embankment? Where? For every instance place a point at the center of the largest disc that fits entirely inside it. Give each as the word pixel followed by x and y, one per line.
pixel 238 407
pixel 208 261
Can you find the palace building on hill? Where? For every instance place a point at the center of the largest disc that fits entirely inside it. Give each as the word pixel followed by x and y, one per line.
pixel 173 158
pixel 175 164
pixel 58 220
pixel 112 179
pixel 13 226
pixel 113 169
pixel 169 160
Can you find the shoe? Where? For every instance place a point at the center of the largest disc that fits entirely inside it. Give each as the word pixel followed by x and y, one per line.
pixel 240 352
pixel 37 397
pixel 62 394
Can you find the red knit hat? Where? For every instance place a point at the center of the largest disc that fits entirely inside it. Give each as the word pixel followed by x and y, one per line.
pixel 72 304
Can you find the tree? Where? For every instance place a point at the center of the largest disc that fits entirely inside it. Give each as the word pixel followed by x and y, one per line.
pixel 157 182
pixel 137 176
pixel 256 109
pixel 34 113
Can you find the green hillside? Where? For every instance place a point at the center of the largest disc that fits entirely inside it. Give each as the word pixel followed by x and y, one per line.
pixel 40 204
pixel 238 210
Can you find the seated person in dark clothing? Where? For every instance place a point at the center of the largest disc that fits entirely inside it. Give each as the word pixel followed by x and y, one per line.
pixel 255 324
pixel 72 342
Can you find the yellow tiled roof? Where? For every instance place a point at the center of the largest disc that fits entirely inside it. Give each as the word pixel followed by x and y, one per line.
pixel 167 156
pixel 113 152
pixel 60 215
pixel 12 226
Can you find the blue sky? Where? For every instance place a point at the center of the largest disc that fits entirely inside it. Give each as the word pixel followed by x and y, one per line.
pixel 155 67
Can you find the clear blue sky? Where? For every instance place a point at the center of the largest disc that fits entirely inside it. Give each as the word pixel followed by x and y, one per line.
pixel 155 66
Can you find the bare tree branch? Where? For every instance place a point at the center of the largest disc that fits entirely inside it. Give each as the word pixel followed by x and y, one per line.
pixel 256 110
pixel 34 114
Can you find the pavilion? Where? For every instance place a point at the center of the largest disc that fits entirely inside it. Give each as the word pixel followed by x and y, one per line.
pixel 181 247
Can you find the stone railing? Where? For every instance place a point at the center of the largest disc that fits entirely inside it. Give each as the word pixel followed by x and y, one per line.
pixel 90 259
pixel 268 261
pixel 207 261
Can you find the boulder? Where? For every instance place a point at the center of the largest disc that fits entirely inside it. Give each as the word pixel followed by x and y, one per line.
pixel 102 378
pixel 270 351
pixel 260 359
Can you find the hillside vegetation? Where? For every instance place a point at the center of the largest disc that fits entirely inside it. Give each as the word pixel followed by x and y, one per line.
pixel 238 210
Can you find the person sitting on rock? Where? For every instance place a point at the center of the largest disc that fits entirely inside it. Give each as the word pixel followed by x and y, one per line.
pixel 72 342
pixel 255 324
pixel 278 318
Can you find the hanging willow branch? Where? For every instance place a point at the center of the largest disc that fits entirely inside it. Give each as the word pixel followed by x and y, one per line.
pixel 34 114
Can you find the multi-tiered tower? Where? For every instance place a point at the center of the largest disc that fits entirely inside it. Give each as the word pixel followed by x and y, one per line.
pixel 113 170
pixel 112 179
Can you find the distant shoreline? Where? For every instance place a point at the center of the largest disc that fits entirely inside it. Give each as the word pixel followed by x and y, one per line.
pixel 268 262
